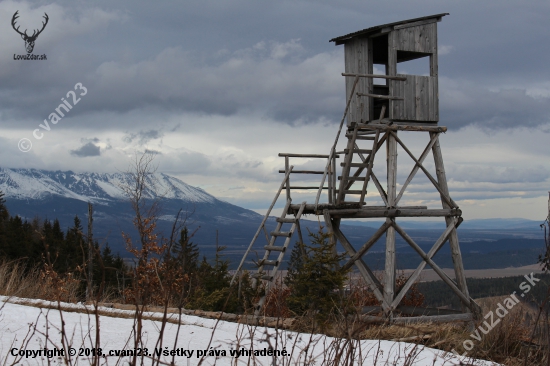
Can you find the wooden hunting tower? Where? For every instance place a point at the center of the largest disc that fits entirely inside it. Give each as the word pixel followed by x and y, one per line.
pixel 414 99
pixel 376 113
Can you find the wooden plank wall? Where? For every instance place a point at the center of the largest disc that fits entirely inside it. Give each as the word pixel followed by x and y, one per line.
pixel 420 93
pixel 422 38
pixel 356 54
pixel 420 101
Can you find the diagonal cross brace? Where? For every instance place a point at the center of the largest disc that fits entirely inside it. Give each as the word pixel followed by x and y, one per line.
pixel 367 274
pixel 367 245
pixel 447 199
pixel 468 302
pixel 416 167
pixel 435 248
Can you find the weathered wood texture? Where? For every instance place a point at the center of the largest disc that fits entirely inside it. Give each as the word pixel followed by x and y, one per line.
pixel 390 268
pixel 453 239
pixel 415 99
pixel 385 212
pixel 356 62
pixel 401 127
pixel 420 38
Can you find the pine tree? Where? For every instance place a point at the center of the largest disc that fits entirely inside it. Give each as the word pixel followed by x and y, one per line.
pixel 4 215
pixel 314 278
pixel 186 253
pixel 296 263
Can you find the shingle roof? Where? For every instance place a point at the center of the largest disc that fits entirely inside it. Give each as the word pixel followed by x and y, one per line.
pixel 342 39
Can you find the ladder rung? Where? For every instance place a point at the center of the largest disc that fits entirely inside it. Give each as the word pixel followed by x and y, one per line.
pixel 269 263
pixel 352 191
pixel 304 187
pixel 262 276
pixel 361 151
pixel 285 220
pixel 356 165
pixel 281 233
pixel 352 178
pixel 274 248
pixel 304 171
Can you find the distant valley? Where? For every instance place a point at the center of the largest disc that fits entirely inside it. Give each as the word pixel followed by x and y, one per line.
pixel 30 193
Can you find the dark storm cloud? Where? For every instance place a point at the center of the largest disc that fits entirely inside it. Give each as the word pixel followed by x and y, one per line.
pixel 267 58
pixel 143 137
pixel 465 103
pixel 86 150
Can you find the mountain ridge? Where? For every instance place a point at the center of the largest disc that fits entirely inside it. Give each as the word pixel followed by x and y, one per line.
pixel 93 187
pixel 32 193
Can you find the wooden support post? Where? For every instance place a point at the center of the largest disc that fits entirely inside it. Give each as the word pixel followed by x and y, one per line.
pixel 389 278
pixel 330 231
pixel 334 175
pixel 453 238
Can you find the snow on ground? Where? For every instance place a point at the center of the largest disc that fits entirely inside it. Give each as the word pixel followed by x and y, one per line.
pixel 26 328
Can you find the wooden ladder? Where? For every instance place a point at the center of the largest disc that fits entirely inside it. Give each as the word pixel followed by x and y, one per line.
pixel 267 260
pixel 347 180
pixel 351 171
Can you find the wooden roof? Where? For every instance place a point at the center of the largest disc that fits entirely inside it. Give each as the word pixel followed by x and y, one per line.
pixel 378 28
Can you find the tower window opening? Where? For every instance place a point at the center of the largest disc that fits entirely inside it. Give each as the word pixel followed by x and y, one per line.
pixel 413 63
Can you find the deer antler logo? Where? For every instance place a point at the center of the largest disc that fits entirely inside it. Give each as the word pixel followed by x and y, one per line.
pixel 29 40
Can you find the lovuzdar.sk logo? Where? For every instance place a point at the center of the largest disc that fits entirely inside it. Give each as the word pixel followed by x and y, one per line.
pixel 29 40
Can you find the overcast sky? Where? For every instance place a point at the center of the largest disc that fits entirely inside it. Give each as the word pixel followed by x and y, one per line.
pixel 218 88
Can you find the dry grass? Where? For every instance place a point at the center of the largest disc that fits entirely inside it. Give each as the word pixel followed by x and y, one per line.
pixel 18 280
pixel 508 343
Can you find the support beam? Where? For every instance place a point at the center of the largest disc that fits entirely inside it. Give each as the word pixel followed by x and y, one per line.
pixel 369 212
pixel 389 277
pixel 453 240
pixel 398 127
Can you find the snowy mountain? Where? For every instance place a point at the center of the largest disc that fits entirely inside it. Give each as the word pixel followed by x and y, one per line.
pixel 93 187
pixel 33 193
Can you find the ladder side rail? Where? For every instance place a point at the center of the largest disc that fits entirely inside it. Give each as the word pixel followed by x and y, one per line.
pixel 287 164
pixel 334 175
pixel 273 238
pixel 346 165
pixel 262 224
pixel 333 150
pixel 285 245
pixel 371 160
